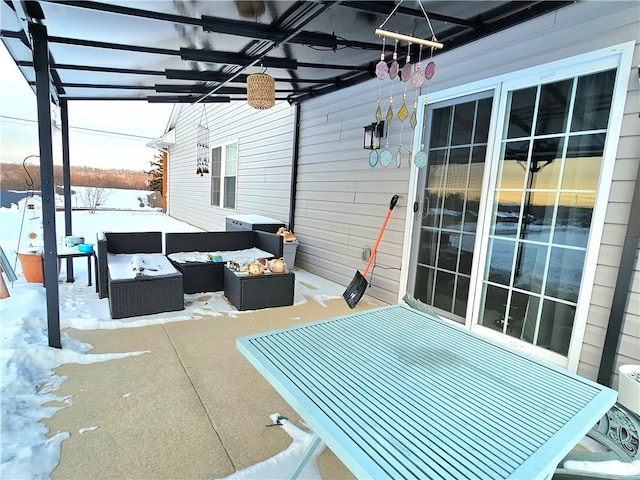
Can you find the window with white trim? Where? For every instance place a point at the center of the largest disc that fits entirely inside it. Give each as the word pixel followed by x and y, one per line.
pixel 224 175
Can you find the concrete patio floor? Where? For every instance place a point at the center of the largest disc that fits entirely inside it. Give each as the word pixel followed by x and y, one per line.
pixel 190 407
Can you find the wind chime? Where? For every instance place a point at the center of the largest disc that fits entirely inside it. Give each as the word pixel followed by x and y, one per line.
pixel 202 144
pixel 408 74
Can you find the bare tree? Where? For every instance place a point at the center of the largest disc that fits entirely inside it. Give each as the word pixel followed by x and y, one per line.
pixel 92 197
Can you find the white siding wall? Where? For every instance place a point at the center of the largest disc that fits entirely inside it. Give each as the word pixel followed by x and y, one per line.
pixel 265 145
pixel 341 201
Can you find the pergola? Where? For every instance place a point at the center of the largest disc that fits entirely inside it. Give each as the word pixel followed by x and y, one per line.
pixel 202 52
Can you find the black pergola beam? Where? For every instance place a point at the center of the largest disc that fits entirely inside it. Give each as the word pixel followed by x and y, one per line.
pixel 187 99
pixel 499 19
pixel 385 8
pixel 209 76
pixel 89 98
pixel 103 86
pixel 230 58
pixel 134 12
pixel 266 32
pixel 167 88
pixel 226 26
pixel 112 46
pixel 96 68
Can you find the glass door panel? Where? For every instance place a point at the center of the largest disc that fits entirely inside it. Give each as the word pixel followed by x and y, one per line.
pixel 457 138
pixel 545 192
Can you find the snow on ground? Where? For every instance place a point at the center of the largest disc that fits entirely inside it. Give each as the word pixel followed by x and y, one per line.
pixel 27 380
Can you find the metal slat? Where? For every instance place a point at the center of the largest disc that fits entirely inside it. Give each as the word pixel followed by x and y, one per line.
pixel 535 409
pixel 407 402
pixel 526 365
pixel 413 402
pixel 399 410
pixel 535 426
pixel 398 405
pixel 466 474
pixel 317 390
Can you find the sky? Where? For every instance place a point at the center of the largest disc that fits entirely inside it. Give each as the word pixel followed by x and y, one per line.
pixel 103 134
pixel 28 383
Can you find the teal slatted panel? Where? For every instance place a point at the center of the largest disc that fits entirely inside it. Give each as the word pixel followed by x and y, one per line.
pixel 396 393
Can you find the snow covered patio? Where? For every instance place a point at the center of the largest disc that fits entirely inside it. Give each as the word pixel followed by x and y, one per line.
pixel 187 406
pixel 155 396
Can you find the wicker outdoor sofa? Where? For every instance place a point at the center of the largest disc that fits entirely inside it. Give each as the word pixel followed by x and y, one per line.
pixel 143 294
pixel 208 276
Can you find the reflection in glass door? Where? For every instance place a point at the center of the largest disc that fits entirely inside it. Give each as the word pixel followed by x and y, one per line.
pixel 549 166
pixel 445 237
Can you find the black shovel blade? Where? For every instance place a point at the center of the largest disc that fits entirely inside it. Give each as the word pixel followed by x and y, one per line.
pixel 355 290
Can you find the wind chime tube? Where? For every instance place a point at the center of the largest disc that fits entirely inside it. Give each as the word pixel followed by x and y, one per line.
pixel 406 38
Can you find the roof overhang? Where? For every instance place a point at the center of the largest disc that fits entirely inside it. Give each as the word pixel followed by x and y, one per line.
pixel 184 52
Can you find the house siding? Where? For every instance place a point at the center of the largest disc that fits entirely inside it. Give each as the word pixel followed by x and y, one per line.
pixel 341 201
pixel 264 162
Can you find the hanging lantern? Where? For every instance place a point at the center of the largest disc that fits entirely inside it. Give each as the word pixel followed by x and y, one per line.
pixel 261 91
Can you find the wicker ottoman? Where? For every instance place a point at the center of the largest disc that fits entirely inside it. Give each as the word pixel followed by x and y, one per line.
pixel 252 292
pixel 146 295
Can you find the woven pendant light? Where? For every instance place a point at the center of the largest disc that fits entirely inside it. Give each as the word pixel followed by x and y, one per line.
pixel 261 91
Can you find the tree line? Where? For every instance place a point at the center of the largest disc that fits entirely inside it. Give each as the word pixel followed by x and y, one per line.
pixel 13 176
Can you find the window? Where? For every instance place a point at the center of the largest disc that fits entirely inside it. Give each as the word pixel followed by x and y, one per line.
pixel 224 174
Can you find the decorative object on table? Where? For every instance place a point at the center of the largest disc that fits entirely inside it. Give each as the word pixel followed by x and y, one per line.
pixel 202 159
pixel 73 241
pixel 85 247
pixel 278 265
pixel 240 264
pixel 233 266
pixel 261 91
pixel 287 235
pixel 256 268
pixel 214 257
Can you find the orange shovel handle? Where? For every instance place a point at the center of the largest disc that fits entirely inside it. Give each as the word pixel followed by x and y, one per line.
pixel 392 204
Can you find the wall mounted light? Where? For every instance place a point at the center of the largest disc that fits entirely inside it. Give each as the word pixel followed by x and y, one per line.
pixel 372 135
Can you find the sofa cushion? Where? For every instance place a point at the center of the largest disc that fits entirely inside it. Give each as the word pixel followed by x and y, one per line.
pixel 124 266
pixel 223 256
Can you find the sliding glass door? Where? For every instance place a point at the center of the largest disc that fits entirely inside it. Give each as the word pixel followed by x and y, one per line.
pixel 514 269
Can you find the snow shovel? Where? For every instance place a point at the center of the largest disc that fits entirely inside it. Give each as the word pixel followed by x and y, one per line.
pixel 358 285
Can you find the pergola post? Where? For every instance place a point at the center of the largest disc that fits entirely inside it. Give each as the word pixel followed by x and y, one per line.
pixel 66 179
pixel 47 188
